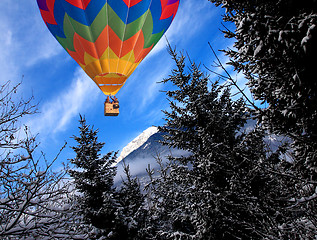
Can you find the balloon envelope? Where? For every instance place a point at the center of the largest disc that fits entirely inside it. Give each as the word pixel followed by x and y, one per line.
pixel 108 38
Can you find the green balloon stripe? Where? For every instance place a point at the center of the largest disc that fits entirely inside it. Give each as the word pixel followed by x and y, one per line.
pixel 123 31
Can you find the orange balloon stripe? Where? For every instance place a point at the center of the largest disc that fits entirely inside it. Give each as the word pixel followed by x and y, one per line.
pixel 114 42
pixel 110 78
pixel 128 45
pixel 75 56
pixel 102 42
pixel 95 50
pixel 143 53
pixel 120 48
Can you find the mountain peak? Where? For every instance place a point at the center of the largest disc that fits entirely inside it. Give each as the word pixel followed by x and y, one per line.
pixel 137 142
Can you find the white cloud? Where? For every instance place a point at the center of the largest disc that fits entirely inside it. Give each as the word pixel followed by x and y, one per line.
pixel 7 67
pixel 7 38
pixel 191 16
pixel 144 86
pixel 24 40
pixel 57 114
pixel 151 90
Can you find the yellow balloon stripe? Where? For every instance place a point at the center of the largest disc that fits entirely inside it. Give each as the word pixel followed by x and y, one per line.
pixel 106 71
pixel 110 89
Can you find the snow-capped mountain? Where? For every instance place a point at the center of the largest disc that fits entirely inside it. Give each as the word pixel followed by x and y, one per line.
pixel 143 151
pixel 137 142
pixel 146 148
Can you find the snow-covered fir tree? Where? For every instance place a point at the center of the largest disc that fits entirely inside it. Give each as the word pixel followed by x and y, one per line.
pixel 225 189
pixel 131 202
pixel 93 178
pixel 114 213
pixel 276 49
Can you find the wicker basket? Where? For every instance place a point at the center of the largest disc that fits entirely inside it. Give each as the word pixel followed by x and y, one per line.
pixel 111 109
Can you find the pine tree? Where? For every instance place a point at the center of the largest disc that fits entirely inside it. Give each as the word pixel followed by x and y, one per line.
pixel 222 190
pixel 93 178
pixel 131 202
pixel 276 48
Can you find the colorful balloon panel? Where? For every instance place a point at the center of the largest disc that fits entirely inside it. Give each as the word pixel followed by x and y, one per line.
pixel 108 38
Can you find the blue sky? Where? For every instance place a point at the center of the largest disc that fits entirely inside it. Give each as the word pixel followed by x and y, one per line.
pixel 64 91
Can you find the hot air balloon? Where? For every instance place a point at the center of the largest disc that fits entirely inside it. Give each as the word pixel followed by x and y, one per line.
pixel 108 38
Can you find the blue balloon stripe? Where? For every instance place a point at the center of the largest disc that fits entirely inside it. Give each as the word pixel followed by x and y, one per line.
pixel 156 11
pixel 134 12
pixel 138 10
pixel 56 30
pixel 87 16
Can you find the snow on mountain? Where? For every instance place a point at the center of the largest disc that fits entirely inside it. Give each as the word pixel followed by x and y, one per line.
pixel 137 142
pixel 142 152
